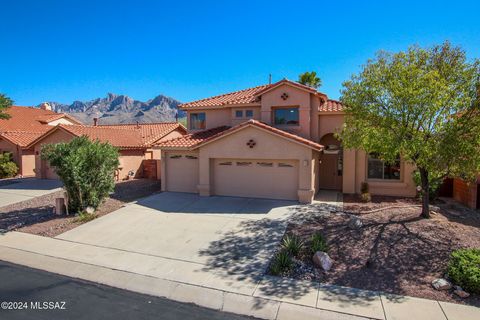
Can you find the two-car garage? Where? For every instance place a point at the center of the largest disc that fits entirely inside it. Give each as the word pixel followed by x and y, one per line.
pixel 250 160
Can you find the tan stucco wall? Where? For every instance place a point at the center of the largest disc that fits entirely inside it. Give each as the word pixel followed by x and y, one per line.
pixel 268 147
pixel 56 137
pixel 404 187
pixel 131 160
pixel 213 118
pixel 28 163
pixel 329 123
pixel 296 98
pixel 235 120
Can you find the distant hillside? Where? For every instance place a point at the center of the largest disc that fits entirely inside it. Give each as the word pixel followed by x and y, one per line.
pixel 122 109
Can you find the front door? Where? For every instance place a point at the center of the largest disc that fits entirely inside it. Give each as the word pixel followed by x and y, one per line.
pixel 330 172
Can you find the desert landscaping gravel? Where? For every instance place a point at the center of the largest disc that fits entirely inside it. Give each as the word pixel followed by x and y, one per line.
pixel 36 216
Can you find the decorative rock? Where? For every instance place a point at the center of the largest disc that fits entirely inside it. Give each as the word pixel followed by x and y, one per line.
pixel 322 260
pixel 90 210
pixel 461 293
pixel 441 284
pixel 355 223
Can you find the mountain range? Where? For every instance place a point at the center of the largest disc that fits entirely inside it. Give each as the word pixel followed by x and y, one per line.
pixel 115 109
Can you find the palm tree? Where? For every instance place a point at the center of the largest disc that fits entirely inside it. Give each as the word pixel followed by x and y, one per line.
pixel 310 79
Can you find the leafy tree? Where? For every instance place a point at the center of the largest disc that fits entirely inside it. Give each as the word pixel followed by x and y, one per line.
pixel 86 169
pixel 310 79
pixel 8 168
pixel 5 103
pixel 423 104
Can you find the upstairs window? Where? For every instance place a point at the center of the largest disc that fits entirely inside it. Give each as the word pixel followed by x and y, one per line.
pixel 249 113
pixel 286 116
pixel 239 114
pixel 379 169
pixel 197 121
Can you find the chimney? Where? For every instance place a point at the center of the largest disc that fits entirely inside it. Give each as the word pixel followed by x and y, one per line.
pixel 45 106
pixel 176 117
pixel 95 121
pixel 270 78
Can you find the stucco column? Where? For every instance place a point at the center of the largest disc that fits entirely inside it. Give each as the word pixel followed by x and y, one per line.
pixel 349 171
pixel 306 177
pixel 163 170
pixel 204 175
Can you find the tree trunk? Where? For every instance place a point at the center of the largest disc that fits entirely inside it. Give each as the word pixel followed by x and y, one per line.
pixel 425 193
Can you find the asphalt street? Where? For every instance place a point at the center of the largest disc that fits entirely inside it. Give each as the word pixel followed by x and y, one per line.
pixel 34 294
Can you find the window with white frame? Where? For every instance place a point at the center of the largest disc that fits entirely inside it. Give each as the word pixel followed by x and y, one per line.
pixel 379 169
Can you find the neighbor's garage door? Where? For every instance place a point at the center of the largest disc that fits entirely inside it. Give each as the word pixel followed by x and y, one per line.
pixel 181 172
pixel 256 178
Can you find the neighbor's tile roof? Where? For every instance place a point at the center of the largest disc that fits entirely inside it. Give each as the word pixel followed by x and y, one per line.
pixel 331 106
pixel 27 124
pixel 150 132
pixel 194 140
pixel 137 136
pixel 236 97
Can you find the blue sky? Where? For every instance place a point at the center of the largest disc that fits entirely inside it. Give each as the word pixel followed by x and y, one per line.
pixel 78 50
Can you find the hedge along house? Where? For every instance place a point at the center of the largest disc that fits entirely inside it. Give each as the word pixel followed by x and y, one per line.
pixel 134 142
pixel 273 141
pixel 25 125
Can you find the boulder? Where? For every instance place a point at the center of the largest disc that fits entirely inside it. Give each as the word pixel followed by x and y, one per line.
pixel 461 293
pixel 321 259
pixel 441 284
pixel 355 223
pixel 90 210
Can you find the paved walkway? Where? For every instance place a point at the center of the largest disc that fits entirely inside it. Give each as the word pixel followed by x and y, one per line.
pixel 18 190
pixel 228 277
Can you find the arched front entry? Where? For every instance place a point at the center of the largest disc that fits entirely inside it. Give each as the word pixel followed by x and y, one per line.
pixel 331 164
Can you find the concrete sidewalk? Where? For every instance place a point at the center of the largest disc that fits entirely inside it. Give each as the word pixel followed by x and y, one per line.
pixel 259 295
pixel 18 190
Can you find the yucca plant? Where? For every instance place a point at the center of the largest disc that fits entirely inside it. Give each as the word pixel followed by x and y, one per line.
pixel 292 244
pixel 318 243
pixel 281 263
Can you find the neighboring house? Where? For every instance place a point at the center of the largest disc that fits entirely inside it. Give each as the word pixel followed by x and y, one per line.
pixel 134 142
pixel 24 126
pixel 467 193
pixel 273 141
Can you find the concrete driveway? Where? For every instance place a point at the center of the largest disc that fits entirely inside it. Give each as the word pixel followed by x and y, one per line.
pixel 223 235
pixel 18 190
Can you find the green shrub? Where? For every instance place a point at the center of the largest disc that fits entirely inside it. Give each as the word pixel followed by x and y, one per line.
pixel 464 269
pixel 85 216
pixel 86 169
pixel 292 244
pixel 318 243
pixel 366 197
pixel 281 263
pixel 364 188
pixel 8 168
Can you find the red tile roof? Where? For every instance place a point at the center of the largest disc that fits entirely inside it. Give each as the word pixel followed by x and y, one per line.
pixel 124 136
pixel 331 106
pixel 246 96
pixel 197 139
pixel 192 139
pixel 236 97
pixel 26 124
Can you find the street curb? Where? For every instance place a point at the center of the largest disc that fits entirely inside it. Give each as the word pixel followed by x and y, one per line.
pixel 259 307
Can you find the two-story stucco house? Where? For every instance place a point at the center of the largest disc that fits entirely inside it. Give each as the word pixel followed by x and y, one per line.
pixel 272 141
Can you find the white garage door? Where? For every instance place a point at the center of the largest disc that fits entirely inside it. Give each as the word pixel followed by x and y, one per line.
pixel 181 172
pixel 271 179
